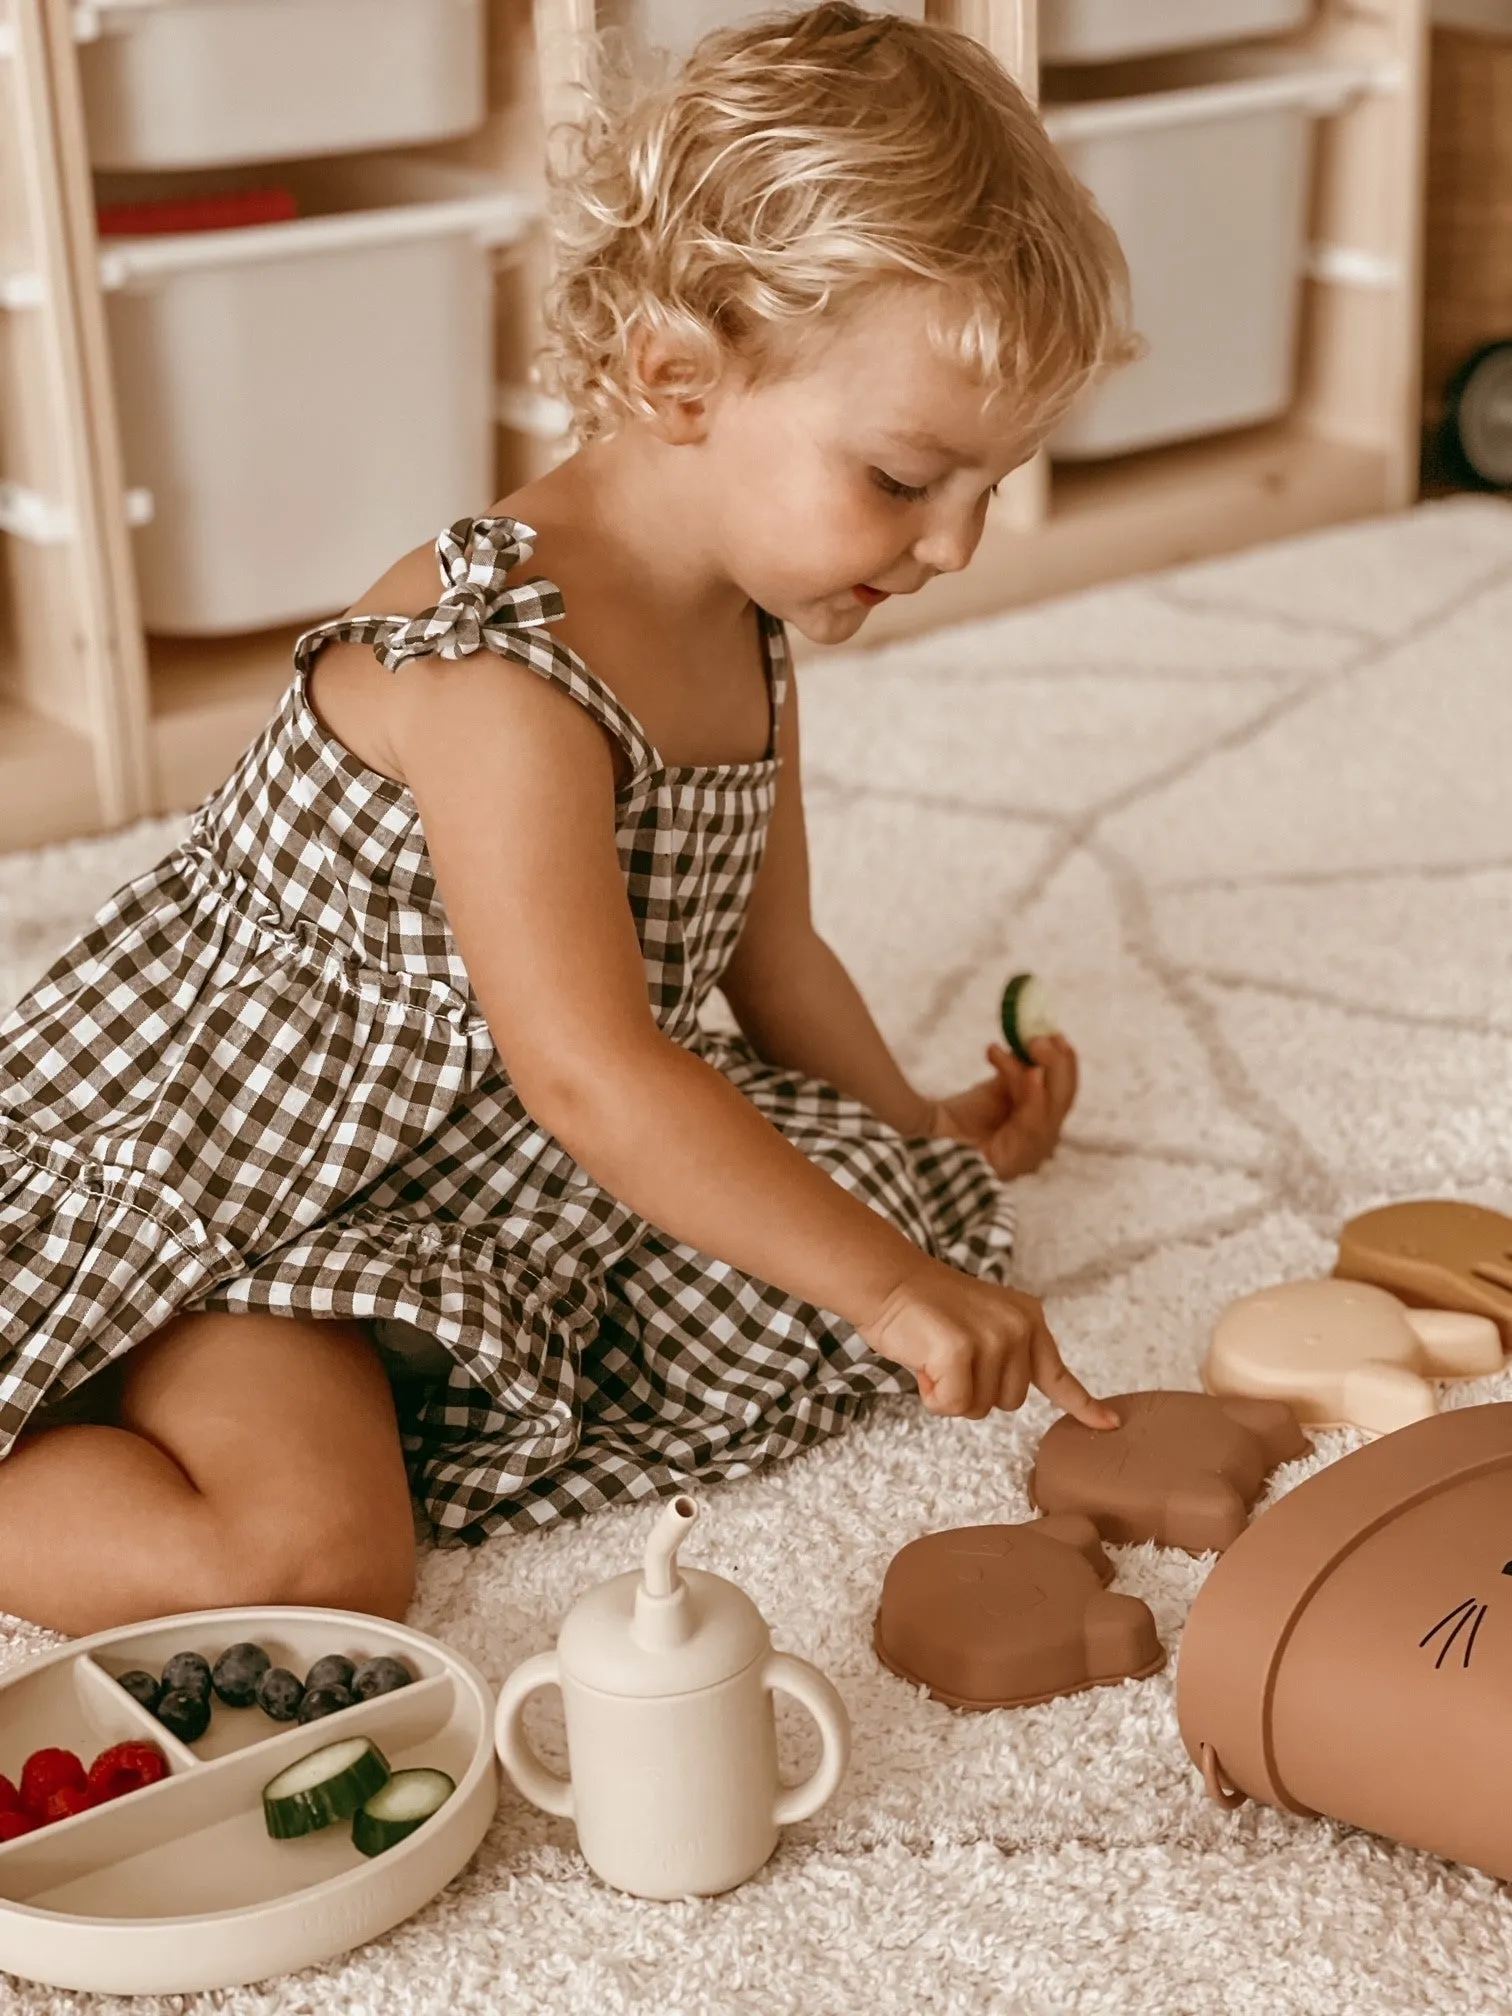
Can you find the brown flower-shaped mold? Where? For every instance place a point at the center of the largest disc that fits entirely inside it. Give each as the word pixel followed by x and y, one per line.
pixel 1008 1616
pixel 1181 1469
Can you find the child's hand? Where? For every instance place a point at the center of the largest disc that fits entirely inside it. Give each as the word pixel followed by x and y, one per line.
pixel 1015 1119
pixel 974 1346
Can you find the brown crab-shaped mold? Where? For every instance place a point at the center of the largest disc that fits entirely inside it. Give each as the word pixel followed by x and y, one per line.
pixel 1009 1616
pixel 1181 1469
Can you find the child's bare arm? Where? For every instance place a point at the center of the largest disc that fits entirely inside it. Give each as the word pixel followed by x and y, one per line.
pixel 516 791
pixel 789 991
pixel 515 788
pixel 798 1006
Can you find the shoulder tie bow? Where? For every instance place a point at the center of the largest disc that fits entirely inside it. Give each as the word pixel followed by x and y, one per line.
pixel 477 609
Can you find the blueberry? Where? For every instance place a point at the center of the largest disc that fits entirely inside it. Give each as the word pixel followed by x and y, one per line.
pixel 141 1687
pixel 379 1676
pixel 185 1714
pixel 279 1693
pixel 187 1673
pixel 326 1700
pixel 237 1672
pixel 332 1671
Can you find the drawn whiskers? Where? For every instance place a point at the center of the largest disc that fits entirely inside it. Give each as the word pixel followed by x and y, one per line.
pixel 1459 1617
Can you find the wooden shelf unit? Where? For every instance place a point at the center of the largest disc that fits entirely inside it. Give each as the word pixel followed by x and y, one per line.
pixel 73 735
pixel 100 724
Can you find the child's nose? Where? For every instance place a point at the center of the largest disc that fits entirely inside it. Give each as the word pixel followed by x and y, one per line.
pixel 946 547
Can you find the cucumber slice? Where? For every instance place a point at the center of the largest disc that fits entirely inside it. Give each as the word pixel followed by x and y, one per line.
pixel 396 1809
pixel 327 1785
pixel 1026 1014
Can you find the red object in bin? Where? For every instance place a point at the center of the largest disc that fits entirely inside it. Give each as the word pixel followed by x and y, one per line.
pixel 231 211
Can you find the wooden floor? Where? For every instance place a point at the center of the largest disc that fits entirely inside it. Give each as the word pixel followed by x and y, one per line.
pixel 47 781
pixel 210 696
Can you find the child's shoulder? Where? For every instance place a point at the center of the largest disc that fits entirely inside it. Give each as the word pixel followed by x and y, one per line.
pixel 363 704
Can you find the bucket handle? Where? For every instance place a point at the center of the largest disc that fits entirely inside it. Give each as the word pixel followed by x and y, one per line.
pixel 1212 1776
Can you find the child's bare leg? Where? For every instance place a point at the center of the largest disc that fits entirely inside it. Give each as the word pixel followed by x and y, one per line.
pixel 257 1460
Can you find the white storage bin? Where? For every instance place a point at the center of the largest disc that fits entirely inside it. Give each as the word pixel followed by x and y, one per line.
pixel 1107 31
pixel 676 25
pixel 185 83
pixel 306 401
pixel 1205 179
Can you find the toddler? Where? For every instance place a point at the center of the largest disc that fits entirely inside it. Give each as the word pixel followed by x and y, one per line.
pixel 373 1142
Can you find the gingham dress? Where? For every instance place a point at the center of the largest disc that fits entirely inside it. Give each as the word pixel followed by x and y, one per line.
pixel 260 1081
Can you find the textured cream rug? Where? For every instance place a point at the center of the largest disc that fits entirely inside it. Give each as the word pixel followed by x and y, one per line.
pixel 1252 822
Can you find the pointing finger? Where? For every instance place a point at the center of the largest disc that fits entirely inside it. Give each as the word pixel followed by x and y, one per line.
pixel 1060 1385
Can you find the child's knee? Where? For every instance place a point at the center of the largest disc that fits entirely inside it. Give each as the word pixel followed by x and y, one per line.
pixel 363 1562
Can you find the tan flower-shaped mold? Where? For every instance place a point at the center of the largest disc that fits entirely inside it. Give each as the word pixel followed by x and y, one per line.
pixel 1437 1254
pixel 1181 1469
pixel 1009 1616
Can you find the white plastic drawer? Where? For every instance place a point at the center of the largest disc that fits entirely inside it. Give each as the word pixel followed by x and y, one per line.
pixel 1204 174
pixel 184 83
pixel 1106 31
pixel 306 401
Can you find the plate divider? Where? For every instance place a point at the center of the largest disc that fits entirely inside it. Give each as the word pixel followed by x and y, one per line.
pixel 188 1800
pixel 93 1679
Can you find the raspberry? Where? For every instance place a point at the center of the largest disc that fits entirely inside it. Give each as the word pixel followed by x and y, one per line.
pixel 125 1767
pixel 47 1772
pixel 63 1804
pixel 15 1824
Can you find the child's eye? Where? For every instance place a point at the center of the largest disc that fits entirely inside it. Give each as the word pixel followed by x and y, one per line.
pixel 912 492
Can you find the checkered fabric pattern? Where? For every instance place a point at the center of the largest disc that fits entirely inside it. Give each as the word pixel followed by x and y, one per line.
pixel 260 1081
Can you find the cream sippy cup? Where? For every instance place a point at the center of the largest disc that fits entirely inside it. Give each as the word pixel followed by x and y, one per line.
pixel 667 1679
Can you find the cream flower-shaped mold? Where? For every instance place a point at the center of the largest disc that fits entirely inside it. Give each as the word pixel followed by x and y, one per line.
pixel 1345 1354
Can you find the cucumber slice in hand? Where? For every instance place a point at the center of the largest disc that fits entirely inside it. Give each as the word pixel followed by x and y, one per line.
pixel 329 1784
pixel 396 1809
pixel 1027 1014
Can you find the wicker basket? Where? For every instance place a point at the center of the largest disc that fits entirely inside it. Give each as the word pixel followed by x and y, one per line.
pixel 1468 253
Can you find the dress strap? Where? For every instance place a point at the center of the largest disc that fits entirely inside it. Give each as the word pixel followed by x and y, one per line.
pixel 778 664
pixel 478 610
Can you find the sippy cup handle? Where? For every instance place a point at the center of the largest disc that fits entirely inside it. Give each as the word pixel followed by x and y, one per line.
pixel 783 1674
pixel 543 1788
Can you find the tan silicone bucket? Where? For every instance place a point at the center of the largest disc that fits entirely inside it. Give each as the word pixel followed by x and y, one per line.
pixel 1351 1653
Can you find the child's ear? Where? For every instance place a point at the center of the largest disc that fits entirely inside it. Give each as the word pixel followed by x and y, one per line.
pixel 662 370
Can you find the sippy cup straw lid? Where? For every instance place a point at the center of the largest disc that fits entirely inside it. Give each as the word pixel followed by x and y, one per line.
pixel 661 1618
pixel 662 1628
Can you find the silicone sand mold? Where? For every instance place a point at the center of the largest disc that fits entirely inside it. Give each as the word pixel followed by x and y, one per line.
pixel 1351 1654
pixel 1008 1616
pixel 179 1887
pixel 1435 1252
pixel 1344 1353
pixel 1181 1469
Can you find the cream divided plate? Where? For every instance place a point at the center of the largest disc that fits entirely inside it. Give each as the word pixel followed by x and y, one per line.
pixel 179 1886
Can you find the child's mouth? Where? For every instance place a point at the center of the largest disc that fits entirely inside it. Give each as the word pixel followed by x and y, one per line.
pixel 870 595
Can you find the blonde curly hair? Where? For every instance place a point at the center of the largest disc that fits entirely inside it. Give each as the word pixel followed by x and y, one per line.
pixel 744 202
